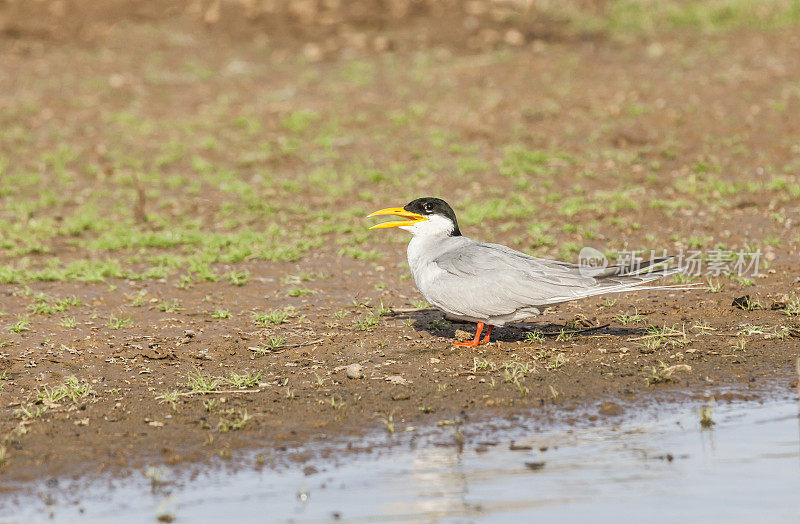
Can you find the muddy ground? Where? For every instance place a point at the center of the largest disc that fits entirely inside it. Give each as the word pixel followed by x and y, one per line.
pixel 168 347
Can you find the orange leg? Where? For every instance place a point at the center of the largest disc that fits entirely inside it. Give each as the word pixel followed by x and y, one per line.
pixel 477 340
pixel 488 334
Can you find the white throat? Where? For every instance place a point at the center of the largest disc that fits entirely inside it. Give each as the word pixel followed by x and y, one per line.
pixel 434 226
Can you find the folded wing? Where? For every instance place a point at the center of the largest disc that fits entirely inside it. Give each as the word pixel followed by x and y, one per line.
pixel 482 280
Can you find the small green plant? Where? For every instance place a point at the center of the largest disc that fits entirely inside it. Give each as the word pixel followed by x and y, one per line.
pixel 76 390
pixel 276 342
pixel 22 324
pixel 482 365
pixel 658 336
pixel 626 318
pixel 682 278
pixel 68 322
pixel 744 281
pixel 706 420
pixel 359 254
pixel 49 396
pixel 659 375
pixel 383 310
pixel 276 316
pixel 42 306
pixel 610 303
pixel 200 382
pixel 238 278
pixel 170 307
pixel 303 277
pixel 119 322
pixel 245 380
pixel 72 388
pixel 793 307
pixel 31 412
pixel 702 327
pixel 233 420
pixel 171 397
pixel 564 335
pixel 558 361
pixel 514 372
pixel 138 300
pixel 534 337
pixel 269 346
pixel 221 313
pixel 64 303
pixel 299 292
pixel 388 422
pixel 748 303
pixel 368 322
pixel 438 324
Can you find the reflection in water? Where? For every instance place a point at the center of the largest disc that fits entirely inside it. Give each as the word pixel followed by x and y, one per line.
pixel 746 467
pixel 440 484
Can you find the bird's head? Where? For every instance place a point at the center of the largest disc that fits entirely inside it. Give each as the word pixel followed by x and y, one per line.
pixel 423 217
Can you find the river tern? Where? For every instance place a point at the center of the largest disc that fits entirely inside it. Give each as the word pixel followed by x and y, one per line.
pixel 491 284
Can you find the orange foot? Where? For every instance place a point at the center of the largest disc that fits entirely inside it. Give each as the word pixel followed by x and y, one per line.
pixel 477 340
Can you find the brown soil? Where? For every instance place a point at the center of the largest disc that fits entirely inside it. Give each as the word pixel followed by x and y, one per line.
pixel 413 376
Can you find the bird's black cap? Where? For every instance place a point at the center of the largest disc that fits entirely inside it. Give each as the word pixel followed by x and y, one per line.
pixel 434 206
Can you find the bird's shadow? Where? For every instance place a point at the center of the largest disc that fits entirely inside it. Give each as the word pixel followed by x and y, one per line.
pixel 434 322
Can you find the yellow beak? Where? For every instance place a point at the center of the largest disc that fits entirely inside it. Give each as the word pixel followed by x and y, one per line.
pixel 412 218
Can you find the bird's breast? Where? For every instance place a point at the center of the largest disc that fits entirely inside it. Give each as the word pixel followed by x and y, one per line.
pixel 421 255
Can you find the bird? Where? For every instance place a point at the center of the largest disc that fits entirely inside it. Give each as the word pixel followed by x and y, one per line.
pixel 491 284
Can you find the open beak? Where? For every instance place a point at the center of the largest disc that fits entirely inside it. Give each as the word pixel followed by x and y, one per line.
pixel 411 218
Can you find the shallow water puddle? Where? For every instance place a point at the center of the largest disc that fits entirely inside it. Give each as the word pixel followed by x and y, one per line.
pixel 745 467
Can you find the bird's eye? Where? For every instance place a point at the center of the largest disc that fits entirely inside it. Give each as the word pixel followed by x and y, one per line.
pixel 428 208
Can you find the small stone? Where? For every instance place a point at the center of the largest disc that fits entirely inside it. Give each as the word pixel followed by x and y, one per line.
pixel 116 81
pixel 354 371
pixel 655 50
pixel 313 52
pixel 514 37
pixel 397 379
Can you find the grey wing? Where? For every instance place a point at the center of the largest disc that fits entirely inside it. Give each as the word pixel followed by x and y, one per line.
pixel 482 280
